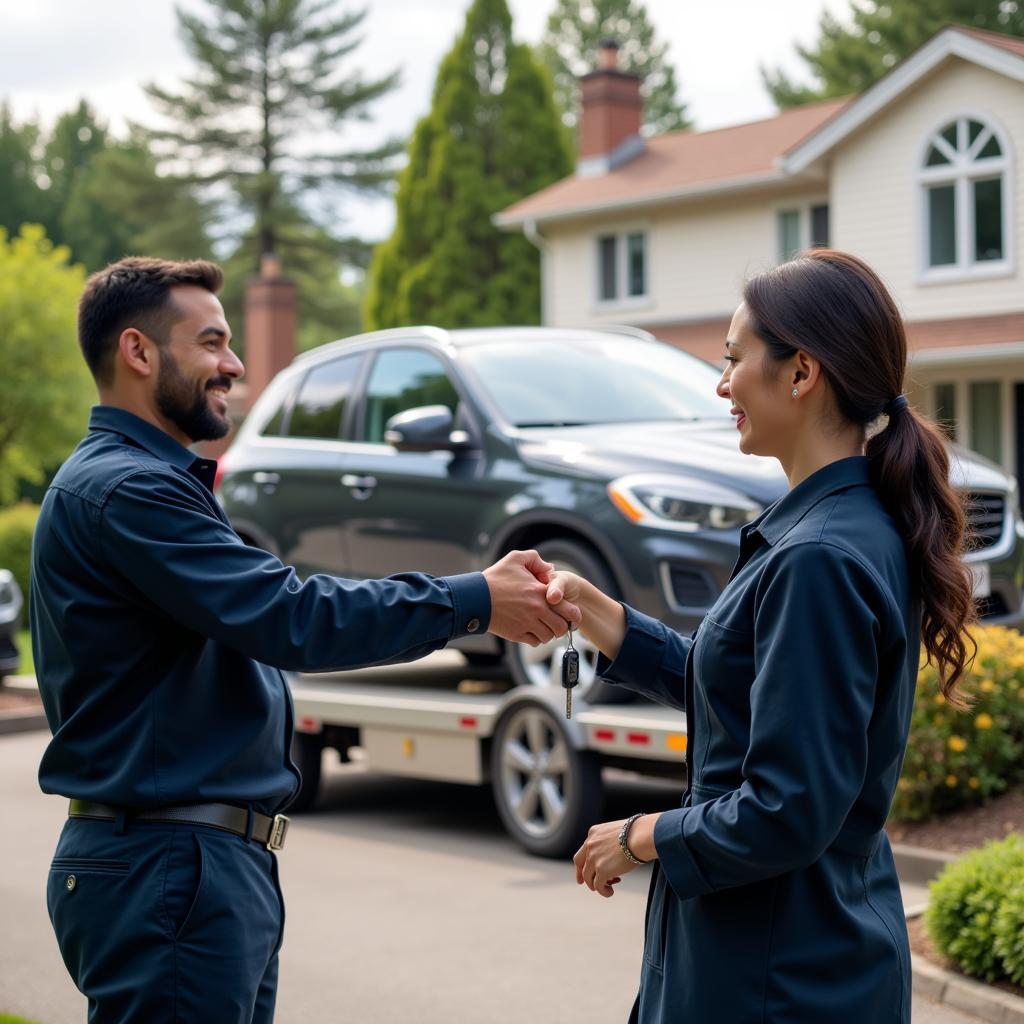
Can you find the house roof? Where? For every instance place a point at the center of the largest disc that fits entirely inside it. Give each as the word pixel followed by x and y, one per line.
pixel 682 164
pixel 678 164
pixel 1003 54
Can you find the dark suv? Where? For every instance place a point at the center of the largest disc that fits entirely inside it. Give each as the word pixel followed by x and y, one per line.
pixel 608 451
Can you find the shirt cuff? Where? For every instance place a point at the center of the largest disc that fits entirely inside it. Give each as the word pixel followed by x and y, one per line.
pixel 642 650
pixel 674 856
pixel 471 604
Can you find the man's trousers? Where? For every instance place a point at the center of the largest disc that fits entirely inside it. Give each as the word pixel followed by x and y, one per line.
pixel 167 923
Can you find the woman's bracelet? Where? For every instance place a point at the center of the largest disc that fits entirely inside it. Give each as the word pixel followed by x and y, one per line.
pixel 624 840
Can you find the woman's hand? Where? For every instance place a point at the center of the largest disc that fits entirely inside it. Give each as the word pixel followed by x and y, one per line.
pixel 600 862
pixel 602 618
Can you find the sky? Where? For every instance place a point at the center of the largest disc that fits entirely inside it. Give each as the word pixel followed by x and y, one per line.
pixel 53 52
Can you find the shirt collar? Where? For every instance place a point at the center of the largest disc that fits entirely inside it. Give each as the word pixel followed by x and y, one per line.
pixel 778 519
pixel 154 440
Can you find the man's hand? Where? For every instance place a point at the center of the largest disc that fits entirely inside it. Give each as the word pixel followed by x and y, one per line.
pixel 520 610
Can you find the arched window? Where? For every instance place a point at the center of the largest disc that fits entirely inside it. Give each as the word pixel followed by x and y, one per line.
pixel 964 185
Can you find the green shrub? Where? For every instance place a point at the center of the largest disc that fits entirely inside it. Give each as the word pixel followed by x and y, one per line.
pixel 967 900
pixel 956 758
pixel 16 526
pixel 1009 928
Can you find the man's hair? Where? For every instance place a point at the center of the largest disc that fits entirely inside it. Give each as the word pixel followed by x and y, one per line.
pixel 134 292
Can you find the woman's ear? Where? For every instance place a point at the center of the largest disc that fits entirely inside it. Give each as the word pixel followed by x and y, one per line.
pixel 806 371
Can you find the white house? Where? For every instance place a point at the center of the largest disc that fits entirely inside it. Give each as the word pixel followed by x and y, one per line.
pixel 921 176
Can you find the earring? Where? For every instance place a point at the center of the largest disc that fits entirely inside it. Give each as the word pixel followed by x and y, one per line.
pixel 796 391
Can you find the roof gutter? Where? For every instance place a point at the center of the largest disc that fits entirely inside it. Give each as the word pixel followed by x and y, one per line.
pixel 749 183
pixel 534 237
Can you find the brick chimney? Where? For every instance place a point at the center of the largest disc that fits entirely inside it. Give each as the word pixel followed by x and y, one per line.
pixel 271 302
pixel 610 116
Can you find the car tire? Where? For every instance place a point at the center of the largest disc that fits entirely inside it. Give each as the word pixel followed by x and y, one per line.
pixel 541 666
pixel 547 793
pixel 308 755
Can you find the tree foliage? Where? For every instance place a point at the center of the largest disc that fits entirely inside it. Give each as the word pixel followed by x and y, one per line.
pixel 45 389
pixel 270 76
pixel 853 53
pixel 570 47
pixel 491 137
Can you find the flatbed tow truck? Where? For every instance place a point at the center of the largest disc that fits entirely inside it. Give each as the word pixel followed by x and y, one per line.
pixel 545 770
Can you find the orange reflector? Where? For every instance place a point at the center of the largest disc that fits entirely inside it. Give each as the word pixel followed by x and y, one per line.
pixel 676 742
pixel 629 511
pixel 641 739
pixel 408 747
pixel 608 735
pixel 467 722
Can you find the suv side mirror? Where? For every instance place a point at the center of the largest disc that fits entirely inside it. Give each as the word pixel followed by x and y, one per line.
pixel 428 428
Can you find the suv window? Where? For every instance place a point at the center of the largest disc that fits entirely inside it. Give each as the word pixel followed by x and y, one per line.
pixel 404 378
pixel 320 407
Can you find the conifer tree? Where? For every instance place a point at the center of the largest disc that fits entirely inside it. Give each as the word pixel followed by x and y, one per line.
pixel 491 137
pixel 853 53
pixel 575 31
pixel 270 76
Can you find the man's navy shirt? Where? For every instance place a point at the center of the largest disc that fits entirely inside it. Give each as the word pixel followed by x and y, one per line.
pixel 159 636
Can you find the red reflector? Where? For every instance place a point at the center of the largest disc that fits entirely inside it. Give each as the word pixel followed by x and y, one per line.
pixel 308 723
pixel 467 723
pixel 604 734
pixel 639 738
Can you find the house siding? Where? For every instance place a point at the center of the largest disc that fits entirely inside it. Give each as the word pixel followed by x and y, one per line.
pixel 874 190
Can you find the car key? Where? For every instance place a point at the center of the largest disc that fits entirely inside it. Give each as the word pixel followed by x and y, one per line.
pixel 570 673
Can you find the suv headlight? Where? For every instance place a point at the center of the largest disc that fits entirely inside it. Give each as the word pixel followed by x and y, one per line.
pixel 680 503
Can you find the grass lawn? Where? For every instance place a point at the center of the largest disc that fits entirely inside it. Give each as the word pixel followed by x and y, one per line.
pixel 24 642
pixel 6 1018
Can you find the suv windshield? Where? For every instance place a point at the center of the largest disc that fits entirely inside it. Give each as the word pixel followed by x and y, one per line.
pixel 578 382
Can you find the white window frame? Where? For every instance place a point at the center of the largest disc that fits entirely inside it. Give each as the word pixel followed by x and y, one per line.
pixel 961 172
pixel 623 301
pixel 803 209
pixel 962 379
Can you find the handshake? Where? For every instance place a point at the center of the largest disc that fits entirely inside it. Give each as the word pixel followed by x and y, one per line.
pixel 528 600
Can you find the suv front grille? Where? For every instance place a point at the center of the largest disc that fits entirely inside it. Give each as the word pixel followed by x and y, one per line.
pixel 985 514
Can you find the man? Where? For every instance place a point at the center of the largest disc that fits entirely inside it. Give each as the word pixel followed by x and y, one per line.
pixel 159 638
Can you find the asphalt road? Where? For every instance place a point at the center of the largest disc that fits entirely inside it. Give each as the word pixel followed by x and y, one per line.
pixel 406 902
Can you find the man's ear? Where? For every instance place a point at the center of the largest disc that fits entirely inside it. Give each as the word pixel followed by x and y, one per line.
pixel 137 352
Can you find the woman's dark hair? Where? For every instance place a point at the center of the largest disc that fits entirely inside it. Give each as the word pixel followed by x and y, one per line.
pixel 834 307
pixel 134 292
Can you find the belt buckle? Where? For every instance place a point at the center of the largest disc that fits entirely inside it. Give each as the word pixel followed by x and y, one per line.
pixel 278 831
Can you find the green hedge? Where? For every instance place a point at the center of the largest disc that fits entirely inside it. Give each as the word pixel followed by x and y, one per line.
pixel 976 912
pixel 16 525
pixel 956 758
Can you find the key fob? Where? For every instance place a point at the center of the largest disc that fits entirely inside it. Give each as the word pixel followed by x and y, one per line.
pixel 570 668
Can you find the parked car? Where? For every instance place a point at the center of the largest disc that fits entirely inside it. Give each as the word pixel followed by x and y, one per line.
pixel 10 618
pixel 606 450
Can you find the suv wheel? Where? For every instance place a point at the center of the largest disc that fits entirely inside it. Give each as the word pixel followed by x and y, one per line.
pixel 547 793
pixel 542 666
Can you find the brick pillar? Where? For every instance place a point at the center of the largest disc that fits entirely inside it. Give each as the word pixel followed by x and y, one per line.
pixel 271 305
pixel 611 107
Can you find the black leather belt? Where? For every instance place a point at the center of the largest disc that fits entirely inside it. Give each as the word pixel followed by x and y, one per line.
pixel 269 831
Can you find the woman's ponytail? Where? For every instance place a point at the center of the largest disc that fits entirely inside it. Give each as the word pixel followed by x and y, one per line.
pixel 834 307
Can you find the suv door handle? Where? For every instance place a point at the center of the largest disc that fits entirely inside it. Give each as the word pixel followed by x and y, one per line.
pixel 266 478
pixel 362 486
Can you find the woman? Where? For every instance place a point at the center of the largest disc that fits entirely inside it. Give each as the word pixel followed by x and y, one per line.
pixel 774 897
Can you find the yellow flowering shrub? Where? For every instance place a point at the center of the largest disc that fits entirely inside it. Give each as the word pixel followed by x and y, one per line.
pixel 959 758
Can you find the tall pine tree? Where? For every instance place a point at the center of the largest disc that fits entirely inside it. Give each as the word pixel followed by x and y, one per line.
pixel 491 137
pixel 570 47
pixel 271 76
pixel 852 54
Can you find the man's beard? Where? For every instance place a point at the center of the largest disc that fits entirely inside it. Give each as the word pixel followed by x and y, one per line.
pixel 184 402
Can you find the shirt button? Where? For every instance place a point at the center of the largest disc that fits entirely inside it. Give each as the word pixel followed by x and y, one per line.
pixel 473 625
pixel 71 883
